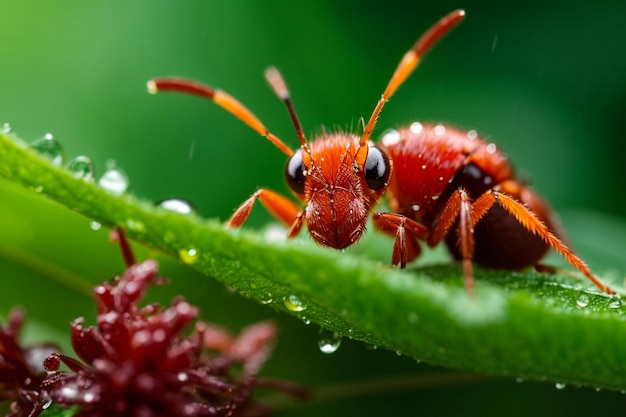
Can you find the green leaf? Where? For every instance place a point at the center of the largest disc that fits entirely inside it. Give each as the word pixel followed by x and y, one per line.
pixel 56 411
pixel 522 324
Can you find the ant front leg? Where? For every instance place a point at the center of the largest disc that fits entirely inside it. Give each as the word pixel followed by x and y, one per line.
pixel 280 207
pixel 406 231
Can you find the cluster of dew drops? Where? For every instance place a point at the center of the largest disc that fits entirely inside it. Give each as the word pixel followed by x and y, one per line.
pixel 116 181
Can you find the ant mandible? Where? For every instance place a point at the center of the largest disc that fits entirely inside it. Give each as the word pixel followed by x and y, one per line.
pixel 441 183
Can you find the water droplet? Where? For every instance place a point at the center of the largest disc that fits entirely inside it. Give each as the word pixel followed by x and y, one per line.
pixel 440 130
pixel 415 207
pixel 559 385
pixel 267 299
pixel 391 137
pixel 328 341
pixel 152 87
pixel 94 225
pixel 6 128
pixel 49 147
pixel 615 302
pixel 274 232
pixel 583 300
pixel 294 303
pixel 177 205
pixel 416 127
pixel 491 148
pixel 81 167
pixel 189 255
pixel 114 180
pixel 135 225
pixel 69 392
pixel 89 397
pixel 472 134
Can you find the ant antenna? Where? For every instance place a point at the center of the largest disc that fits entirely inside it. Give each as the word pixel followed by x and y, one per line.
pixel 408 63
pixel 277 82
pixel 222 99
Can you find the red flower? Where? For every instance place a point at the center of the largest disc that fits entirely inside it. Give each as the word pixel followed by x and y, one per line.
pixel 21 369
pixel 137 363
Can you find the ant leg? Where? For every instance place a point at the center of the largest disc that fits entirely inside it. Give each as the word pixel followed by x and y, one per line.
pixel 406 232
pixel 280 207
pixel 459 205
pixel 530 222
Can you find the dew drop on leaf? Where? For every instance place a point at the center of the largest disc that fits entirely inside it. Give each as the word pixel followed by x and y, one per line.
pixel 177 205
pixel 267 299
pixel 582 301
pixel 81 167
pixel 49 147
pixel 559 385
pixel 189 255
pixel 615 302
pixel 274 233
pixel 136 225
pixel 294 303
pixel 328 341
pixel 6 128
pixel 114 180
pixel 94 225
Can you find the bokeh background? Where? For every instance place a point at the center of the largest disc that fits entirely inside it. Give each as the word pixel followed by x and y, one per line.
pixel 545 80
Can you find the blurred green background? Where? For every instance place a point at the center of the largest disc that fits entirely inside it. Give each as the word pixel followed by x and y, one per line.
pixel 546 81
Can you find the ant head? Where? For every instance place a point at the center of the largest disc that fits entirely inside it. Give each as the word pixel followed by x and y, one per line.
pixel 338 178
pixel 338 195
pixel 374 165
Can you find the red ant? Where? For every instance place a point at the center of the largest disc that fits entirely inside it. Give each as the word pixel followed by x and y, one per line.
pixel 441 183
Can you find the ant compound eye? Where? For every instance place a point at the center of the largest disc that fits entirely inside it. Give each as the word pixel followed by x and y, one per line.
pixel 376 168
pixel 295 172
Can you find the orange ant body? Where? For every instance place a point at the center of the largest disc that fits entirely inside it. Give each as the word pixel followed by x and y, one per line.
pixel 442 183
